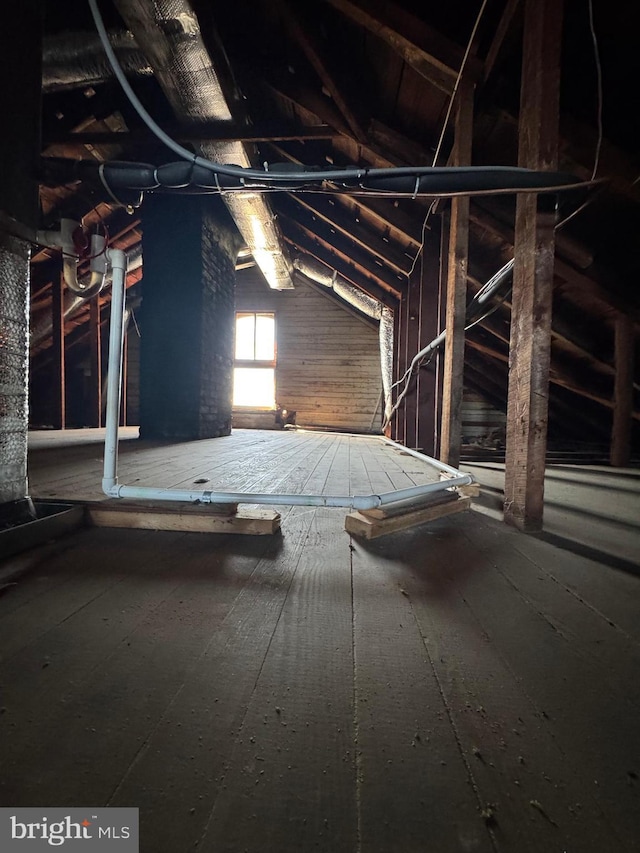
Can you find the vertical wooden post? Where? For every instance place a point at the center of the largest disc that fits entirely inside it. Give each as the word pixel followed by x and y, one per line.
pixel 401 337
pixel 457 287
pixel 529 356
pixel 95 364
pixel 392 430
pixel 623 393
pixel 427 381
pixel 57 363
pixel 412 347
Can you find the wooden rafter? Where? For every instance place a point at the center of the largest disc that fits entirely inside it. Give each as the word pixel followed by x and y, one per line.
pixel 500 35
pixel 307 242
pixel 324 67
pixel 341 246
pixel 329 212
pixel 210 132
pixel 428 52
pixel 386 214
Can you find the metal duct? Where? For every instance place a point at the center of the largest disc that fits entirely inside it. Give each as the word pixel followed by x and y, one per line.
pixel 70 60
pixel 317 272
pixel 385 334
pixel 42 326
pixel 169 34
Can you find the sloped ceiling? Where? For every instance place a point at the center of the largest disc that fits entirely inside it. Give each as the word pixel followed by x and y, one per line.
pixel 368 82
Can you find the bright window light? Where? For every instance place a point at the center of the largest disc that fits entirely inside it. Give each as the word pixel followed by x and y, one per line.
pixel 254 376
pixel 254 387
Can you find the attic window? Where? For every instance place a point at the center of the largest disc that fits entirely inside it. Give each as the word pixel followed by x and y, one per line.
pixel 254 372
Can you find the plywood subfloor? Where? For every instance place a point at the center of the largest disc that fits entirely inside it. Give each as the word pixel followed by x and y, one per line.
pixel 456 687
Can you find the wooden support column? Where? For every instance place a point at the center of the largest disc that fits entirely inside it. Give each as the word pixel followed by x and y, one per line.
pixel 400 337
pixel 427 391
pixel 58 383
pixel 412 346
pixel 95 364
pixel 623 393
pixel 527 408
pixel 457 287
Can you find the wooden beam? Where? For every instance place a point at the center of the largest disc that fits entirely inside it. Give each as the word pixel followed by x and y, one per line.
pixel 395 428
pixel 578 282
pixel 382 275
pixel 328 210
pixel 58 384
pixel 527 412
pixel 558 375
pixel 387 214
pixel 209 132
pixel 412 345
pixel 301 242
pixel 418 327
pixel 95 364
pixel 304 36
pixel 502 30
pixel 428 52
pixel 359 524
pixel 623 393
pixel 186 518
pixel 457 288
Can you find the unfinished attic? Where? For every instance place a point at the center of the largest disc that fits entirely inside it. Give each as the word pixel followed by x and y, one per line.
pixel 319 429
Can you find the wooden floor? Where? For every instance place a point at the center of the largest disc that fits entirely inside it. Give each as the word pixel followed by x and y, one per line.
pixel 456 687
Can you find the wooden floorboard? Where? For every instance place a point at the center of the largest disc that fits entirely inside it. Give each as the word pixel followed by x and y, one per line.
pixel 295 747
pixel 414 786
pixel 453 688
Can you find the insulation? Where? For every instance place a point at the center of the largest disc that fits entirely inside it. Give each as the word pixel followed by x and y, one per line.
pixel 169 33
pixel 386 357
pixel 14 362
pixel 71 60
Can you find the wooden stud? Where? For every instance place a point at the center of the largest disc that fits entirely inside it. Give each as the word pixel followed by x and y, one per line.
pixel 58 361
pixel 400 345
pixel 457 288
pixel 427 380
pixel 623 392
pixel 430 54
pixel 95 364
pixel 412 345
pixel 527 409
pixel 304 36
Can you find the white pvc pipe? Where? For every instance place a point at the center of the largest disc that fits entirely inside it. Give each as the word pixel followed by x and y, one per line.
pixel 349 501
pixel 118 262
pixel 112 489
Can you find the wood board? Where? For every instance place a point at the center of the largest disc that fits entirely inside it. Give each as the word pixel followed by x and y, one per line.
pixel 185 518
pixel 359 524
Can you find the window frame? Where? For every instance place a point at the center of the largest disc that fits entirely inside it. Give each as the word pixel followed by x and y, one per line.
pixel 257 363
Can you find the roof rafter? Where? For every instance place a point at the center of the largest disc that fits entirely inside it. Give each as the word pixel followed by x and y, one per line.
pixel 433 56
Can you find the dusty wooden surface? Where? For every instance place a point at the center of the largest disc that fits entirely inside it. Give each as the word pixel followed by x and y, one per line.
pixel 455 687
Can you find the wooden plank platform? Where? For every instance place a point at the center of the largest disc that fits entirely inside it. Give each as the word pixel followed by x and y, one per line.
pixel 188 518
pixel 455 687
pixel 371 526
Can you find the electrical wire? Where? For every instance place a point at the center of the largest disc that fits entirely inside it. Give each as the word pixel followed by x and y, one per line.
pixel 244 177
pixel 423 233
pixel 596 52
pixel 416 361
